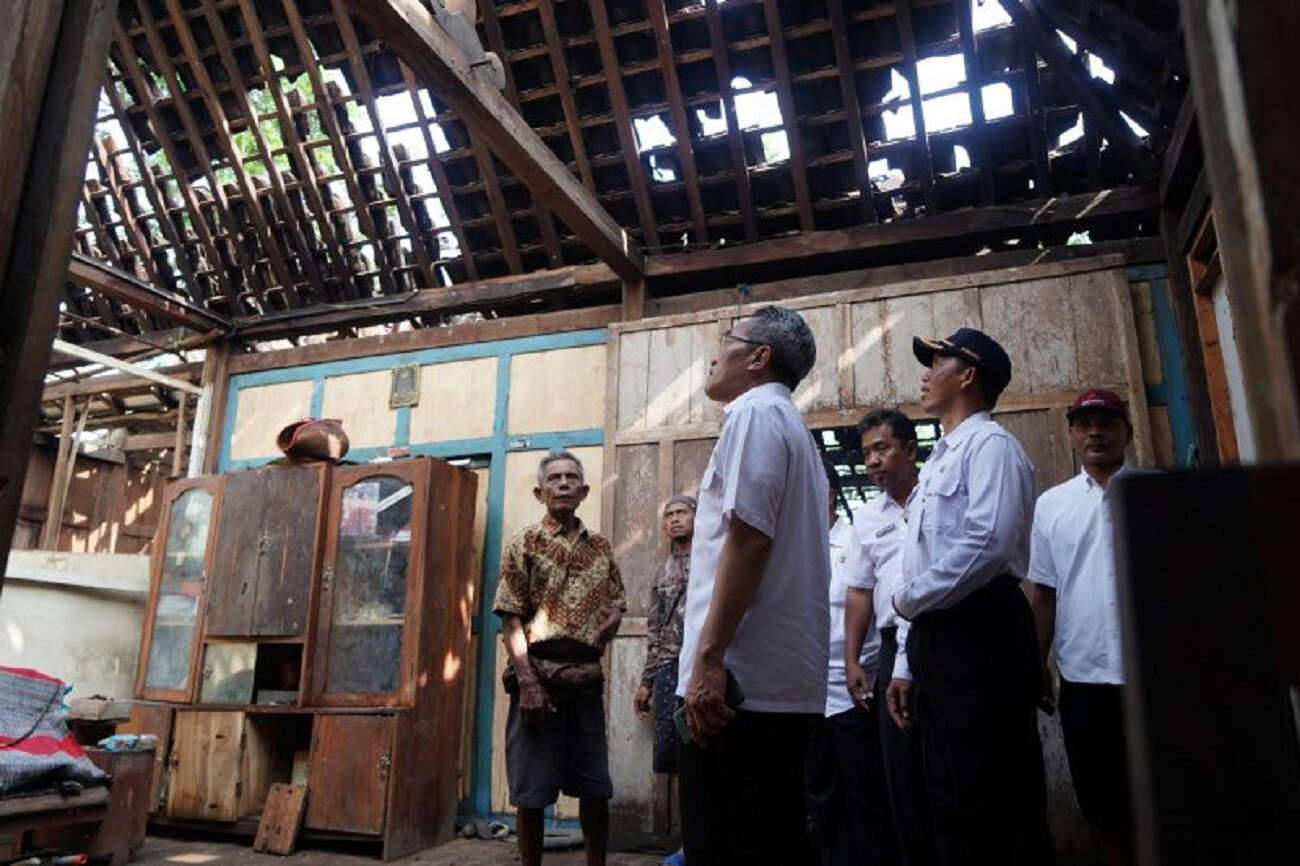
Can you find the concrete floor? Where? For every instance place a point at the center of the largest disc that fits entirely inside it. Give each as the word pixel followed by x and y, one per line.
pixel 168 851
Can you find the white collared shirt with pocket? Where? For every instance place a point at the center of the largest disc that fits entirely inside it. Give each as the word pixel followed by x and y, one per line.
pixel 968 519
pixel 765 470
pixel 1073 551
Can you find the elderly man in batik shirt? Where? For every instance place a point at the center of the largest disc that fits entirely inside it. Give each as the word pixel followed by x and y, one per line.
pixel 560 599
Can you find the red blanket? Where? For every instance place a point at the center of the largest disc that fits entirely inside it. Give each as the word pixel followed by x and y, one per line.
pixel 36 751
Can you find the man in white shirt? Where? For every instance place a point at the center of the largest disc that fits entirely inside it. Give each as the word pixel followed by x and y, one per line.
pixel 971 647
pixel 756 605
pixel 889 455
pixel 846 776
pixel 1072 567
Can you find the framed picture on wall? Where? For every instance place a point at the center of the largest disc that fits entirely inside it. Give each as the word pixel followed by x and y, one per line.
pixel 405 389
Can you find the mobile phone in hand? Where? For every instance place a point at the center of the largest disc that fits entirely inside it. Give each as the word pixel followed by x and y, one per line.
pixel 734 698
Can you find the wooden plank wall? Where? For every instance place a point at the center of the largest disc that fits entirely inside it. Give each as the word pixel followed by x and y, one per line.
pixel 1067 327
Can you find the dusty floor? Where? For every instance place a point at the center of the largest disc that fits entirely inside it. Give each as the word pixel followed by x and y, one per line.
pixel 161 850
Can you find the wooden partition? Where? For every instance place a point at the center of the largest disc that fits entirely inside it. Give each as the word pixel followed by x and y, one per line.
pixel 1067 327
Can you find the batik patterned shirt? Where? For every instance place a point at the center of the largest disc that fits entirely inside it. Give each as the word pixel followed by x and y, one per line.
pixel 560 588
pixel 667 613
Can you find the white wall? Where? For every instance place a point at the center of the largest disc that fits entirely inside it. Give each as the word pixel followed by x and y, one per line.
pixel 76 616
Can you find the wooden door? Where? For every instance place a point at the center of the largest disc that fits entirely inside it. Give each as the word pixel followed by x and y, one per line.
pixel 207 754
pixel 369 611
pixel 266 552
pixel 181 567
pixel 348 773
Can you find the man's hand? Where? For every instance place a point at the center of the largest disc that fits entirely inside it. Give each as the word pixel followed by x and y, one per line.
pixel 707 712
pixel 641 701
pixel 1047 700
pixel 534 704
pixel 858 684
pixel 609 628
pixel 898 699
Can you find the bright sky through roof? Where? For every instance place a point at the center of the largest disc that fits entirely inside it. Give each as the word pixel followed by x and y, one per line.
pixel 651 132
pixel 987 14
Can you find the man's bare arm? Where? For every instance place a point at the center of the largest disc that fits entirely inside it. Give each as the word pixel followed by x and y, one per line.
pixel 533 702
pixel 857 621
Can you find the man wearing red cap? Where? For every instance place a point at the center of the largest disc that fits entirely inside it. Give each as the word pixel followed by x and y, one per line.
pixel 971 645
pixel 1072 567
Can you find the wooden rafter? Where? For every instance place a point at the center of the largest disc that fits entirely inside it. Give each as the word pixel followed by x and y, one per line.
pixel 330 123
pixel 496 203
pixel 181 100
pixel 546 11
pixel 439 173
pixel 907 37
pixel 789 115
pixel 392 183
pixel 109 178
pixel 852 109
pixel 225 135
pixel 410 30
pixel 636 178
pixel 1096 103
pixel 545 222
pixel 125 288
pixel 736 144
pixel 1037 116
pixel 975 90
pixel 681 126
pixel 1161 46
pixel 131 62
pixel 298 154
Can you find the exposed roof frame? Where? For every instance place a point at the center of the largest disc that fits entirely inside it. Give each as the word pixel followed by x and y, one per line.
pixel 425 46
pixel 126 289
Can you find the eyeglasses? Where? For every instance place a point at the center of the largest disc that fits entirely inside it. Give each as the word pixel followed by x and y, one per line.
pixel 730 336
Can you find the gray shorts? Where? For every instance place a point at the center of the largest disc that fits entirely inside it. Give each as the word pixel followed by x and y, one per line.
pixel 567 754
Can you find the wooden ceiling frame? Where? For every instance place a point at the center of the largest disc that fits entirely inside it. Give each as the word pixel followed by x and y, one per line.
pixel 975 92
pixel 921 139
pixel 392 183
pixel 627 139
pixel 852 108
pixel 735 142
pixel 439 172
pixel 658 15
pixel 235 254
pixel 224 132
pixel 325 103
pixel 789 116
pixel 252 203
pixel 298 153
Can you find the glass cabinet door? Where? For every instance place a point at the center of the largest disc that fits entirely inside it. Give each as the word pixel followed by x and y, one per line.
pixel 179 589
pixel 367 579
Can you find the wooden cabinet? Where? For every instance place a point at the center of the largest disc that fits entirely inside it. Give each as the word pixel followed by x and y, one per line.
pixel 325 623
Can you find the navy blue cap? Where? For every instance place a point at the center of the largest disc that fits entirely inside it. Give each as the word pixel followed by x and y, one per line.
pixel 978 348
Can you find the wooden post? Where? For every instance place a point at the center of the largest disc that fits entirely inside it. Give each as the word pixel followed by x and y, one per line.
pixel 54 500
pixel 51 69
pixel 633 299
pixel 1239 54
pixel 178 451
pixel 209 413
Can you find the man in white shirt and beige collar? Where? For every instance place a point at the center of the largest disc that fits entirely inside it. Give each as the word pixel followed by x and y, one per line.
pixel 972 649
pixel 1072 566
pixel 756 605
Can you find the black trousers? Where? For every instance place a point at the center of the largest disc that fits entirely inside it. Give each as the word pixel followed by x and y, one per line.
pixel 846 792
pixel 743 795
pixel 904 769
pixel 976 677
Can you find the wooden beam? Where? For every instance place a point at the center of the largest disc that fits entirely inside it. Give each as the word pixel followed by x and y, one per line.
pixel 54 496
pixel 789 114
pixel 126 289
pixel 1096 103
pixel 430 52
pixel 739 166
pixel 125 215
pixel 1037 116
pixel 1183 157
pixel 907 36
pixel 560 68
pixel 852 110
pixel 658 14
pixel 613 70
pixel 302 161
pixel 51 70
pixel 116 384
pixel 633 300
pixel 1163 47
pixel 557 285
pixel 975 92
pixel 126 366
pixel 325 104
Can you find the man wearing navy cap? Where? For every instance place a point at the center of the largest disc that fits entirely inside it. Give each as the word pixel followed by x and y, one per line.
pixel 969 677
pixel 1072 567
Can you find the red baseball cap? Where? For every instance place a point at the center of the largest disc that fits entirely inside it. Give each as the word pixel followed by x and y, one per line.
pixel 1097 400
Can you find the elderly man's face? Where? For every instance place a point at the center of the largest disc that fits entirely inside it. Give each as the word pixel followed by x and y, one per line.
pixel 942 382
pixel 1099 438
pixel 679 522
pixel 563 489
pixel 738 360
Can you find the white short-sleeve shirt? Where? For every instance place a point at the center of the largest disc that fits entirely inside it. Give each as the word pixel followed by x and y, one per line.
pixel 1073 551
pixel 848 568
pixel 880 528
pixel 766 471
